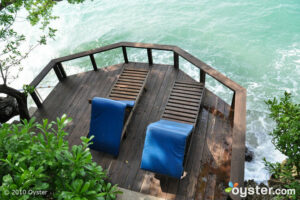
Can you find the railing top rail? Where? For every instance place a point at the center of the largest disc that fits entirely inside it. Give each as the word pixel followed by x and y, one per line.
pixel 87 53
pixel 42 74
pixel 184 54
pixel 149 46
pixel 209 70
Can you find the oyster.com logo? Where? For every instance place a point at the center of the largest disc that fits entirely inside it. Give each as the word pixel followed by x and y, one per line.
pixel 245 191
pixel 230 184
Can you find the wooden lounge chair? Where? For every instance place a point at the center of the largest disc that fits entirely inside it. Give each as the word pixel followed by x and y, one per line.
pixel 111 116
pixel 174 130
pixel 129 87
pixel 184 105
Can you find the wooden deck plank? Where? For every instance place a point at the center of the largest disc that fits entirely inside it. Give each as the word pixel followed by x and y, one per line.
pixel 213 129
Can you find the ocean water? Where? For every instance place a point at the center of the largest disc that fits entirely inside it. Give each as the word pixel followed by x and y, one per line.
pixel 254 42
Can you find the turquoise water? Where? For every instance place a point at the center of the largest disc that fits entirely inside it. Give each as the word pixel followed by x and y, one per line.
pixel 254 42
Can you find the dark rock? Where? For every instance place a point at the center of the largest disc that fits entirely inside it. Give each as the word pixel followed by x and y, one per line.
pixel 249 155
pixel 8 108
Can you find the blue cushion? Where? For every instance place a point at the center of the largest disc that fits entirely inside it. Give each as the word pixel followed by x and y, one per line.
pixel 128 103
pixel 107 119
pixel 164 147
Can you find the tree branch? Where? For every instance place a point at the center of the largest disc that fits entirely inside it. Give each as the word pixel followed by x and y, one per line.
pixel 22 57
pixel 11 92
pixel 2 75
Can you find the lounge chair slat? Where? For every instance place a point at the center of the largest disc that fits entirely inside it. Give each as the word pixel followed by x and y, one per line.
pixel 188 89
pixel 182 106
pixel 192 116
pixel 136 70
pixel 125 89
pixel 198 97
pixel 183 119
pixel 123 98
pixel 189 86
pixel 183 102
pixel 182 110
pixel 121 87
pixel 137 82
pixel 121 79
pixel 188 83
pixel 196 93
pixel 125 93
pixel 184 98
pixel 178 120
pixel 128 84
pixel 122 95
pixel 133 75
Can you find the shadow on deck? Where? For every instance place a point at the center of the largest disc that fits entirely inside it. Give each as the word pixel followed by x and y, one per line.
pixel 208 165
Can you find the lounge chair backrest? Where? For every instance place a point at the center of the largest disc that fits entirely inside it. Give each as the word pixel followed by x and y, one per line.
pixel 184 102
pixel 129 85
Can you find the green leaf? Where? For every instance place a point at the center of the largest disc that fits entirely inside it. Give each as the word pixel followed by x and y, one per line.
pixel 77 185
pixel 85 187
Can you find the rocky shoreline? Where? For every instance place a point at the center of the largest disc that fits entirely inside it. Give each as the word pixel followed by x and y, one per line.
pixel 251 183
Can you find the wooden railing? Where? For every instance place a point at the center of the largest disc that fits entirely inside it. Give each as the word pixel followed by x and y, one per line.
pixel 238 105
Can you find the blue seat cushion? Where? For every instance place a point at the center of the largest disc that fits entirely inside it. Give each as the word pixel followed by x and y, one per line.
pixel 128 103
pixel 164 147
pixel 107 119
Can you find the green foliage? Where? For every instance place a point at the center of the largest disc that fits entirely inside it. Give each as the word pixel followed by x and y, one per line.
pixel 286 134
pixel 38 13
pixel 36 157
pixel 28 89
pixel 286 138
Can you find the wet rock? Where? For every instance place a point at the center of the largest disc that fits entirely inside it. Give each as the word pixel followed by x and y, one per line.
pixel 8 108
pixel 249 155
pixel 252 183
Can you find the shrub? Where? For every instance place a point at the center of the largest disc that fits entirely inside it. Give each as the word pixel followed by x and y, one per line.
pixel 286 138
pixel 36 157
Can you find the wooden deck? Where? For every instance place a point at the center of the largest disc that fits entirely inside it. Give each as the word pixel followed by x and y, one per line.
pixel 208 162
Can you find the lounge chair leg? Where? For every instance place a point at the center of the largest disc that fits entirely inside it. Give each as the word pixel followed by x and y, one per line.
pixel 124 136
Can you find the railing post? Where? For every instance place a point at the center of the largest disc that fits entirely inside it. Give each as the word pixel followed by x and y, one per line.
pixel 202 76
pixel 36 99
pixel 61 69
pixel 176 60
pixel 125 54
pixel 231 114
pixel 150 59
pixel 58 73
pixel 93 62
